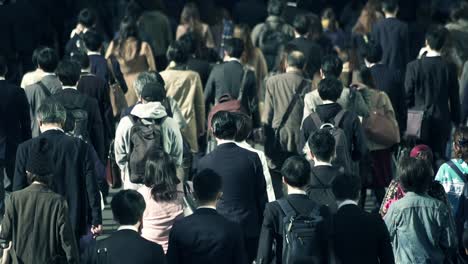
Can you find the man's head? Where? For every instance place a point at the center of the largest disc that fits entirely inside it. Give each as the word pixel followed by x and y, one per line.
pixel 47 60
pixel 39 165
pixel 51 113
pixel 415 175
pixel 223 125
pixel 346 187
pixel 322 146
pixel 301 24
pixel 207 187
pixel 275 7
pixel 373 53
pixel 390 6
pixel 295 59
pixel 331 66
pixel 82 59
pixel 3 66
pixel 296 172
pixel 87 18
pixel 68 72
pixel 233 48
pixel 153 92
pixel 92 41
pixel 330 89
pixel 436 37
pixel 244 126
pixel 128 207
pixel 177 53
pixel 144 78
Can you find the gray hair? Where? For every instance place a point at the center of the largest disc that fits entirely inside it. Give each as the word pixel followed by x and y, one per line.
pixel 145 78
pixel 51 112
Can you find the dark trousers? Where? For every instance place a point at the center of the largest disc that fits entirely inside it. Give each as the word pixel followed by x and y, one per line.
pixel 251 246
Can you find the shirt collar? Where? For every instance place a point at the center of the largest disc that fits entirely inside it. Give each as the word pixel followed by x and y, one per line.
pixel 225 141
pixel 295 191
pixel 93 53
pixel 432 53
pixel 322 163
pixel 347 202
pixel 53 128
pixel 127 227
pixel 69 87
pixel 233 59
pixel 48 74
pixel 206 207
pixel 2 78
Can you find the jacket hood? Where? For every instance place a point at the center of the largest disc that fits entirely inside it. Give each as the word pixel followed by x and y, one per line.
pixel 152 110
pixel 327 112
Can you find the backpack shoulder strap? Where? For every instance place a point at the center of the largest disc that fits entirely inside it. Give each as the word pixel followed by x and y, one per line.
pixel 316 119
pixel 319 181
pixel 339 117
pixel 456 169
pixel 44 88
pixel 296 97
pixel 288 210
pixel 242 84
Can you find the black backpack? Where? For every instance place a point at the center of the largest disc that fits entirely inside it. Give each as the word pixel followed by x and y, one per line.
pixel 322 193
pixel 76 123
pixel 144 138
pixel 301 241
pixel 271 40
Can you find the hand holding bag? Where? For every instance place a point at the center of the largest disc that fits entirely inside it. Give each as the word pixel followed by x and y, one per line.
pixel 116 94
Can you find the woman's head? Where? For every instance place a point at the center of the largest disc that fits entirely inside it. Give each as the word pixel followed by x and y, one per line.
pixel 415 175
pixel 161 176
pixel 329 20
pixel 128 29
pixel 365 76
pixel 242 32
pixel 460 143
pixel 190 15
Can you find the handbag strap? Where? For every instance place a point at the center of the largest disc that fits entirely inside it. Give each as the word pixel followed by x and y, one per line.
pixel 111 69
pixel 457 170
pixel 293 102
pixel 44 88
pixel 242 85
pixel 286 207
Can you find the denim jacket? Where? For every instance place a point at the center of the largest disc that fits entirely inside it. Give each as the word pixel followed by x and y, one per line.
pixel 420 229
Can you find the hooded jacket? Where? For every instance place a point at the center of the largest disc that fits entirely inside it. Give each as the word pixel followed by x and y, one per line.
pixel 172 138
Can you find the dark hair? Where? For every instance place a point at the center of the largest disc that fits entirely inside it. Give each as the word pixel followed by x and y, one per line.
pixel 243 125
pixel 47 59
pixel 51 112
pixel 436 37
pixel 330 88
pixel 45 179
pixel 346 186
pixel 224 125
pixel 188 41
pixel 415 175
pixel 68 72
pixel 206 186
pixel 365 75
pixel 128 29
pixel 331 66
pixel 81 58
pixel 316 28
pixel 3 66
pixel 283 57
pixel 296 59
pixel 275 7
pixel 329 14
pixel 128 207
pixel 322 145
pixel 133 10
pixel 373 52
pixel 87 17
pixel 234 47
pixel 92 40
pixel 301 24
pixel 459 12
pixel 460 140
pixel 35 54
pixel 249 48
pixel 296 171
pixel 161 176
pixel 191 16
pixel 177 53
pixel 389 5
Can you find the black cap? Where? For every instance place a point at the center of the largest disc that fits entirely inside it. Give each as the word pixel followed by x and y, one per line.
pixel 153 92
pixel 39 162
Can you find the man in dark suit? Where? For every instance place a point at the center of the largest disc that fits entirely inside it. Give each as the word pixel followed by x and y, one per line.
pixel 206 236
pixel 359 237
pixel 392 35
pixel 311 50
pixel 98 64
pixel 69 74
pixel 244 188
pixel 15 127
pixel 295 171
pixel 432 86
pixel 73 171
pixel 86 20
pixel 227 78
pixel 126 245
pixel 388 80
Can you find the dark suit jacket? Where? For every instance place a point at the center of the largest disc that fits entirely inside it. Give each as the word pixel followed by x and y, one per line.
pixel 312 52
pixel 123 247
pixel 206 237
pixel 392 35
pixel 99 66
pixel 71 98
pixel 360 237
pixel 244 188
pixel 272 228
pixel 202 67
pixel 391 82
pixel 38 215
pixel 15 120
pixel 73 177
pixel 226 78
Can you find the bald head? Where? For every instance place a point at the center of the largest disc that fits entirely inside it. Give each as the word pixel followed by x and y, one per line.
pixel 296 59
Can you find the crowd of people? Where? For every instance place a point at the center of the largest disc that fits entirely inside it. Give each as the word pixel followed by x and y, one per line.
pixel 237 132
